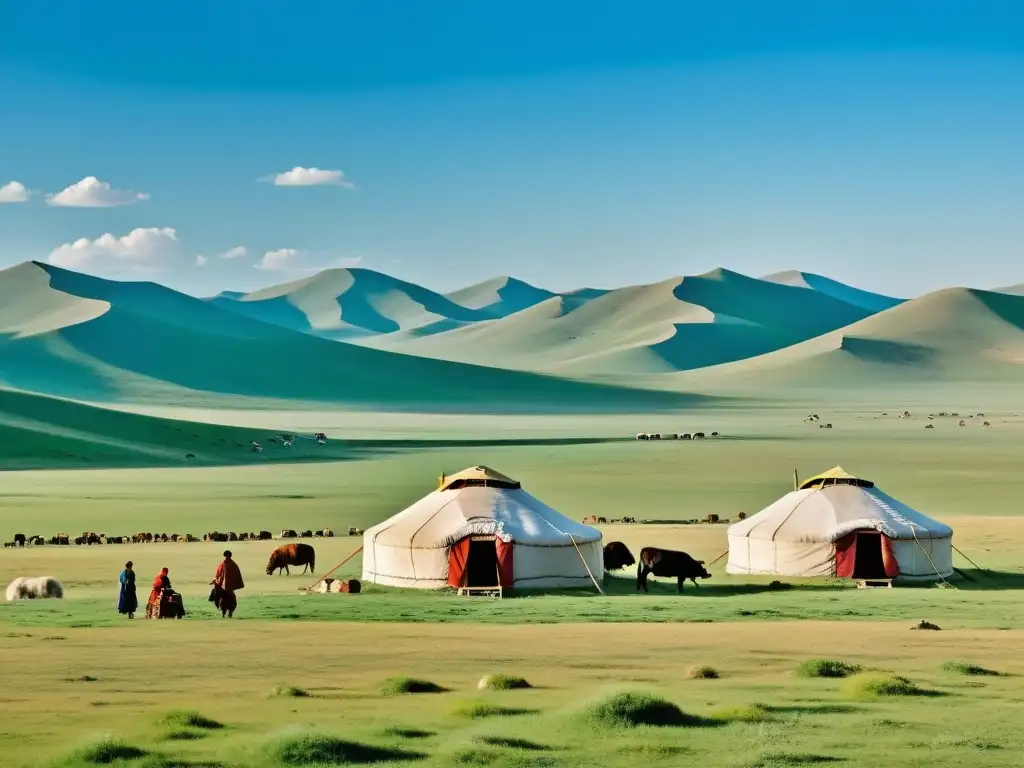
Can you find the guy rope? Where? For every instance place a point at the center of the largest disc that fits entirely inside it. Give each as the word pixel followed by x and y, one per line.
pixel 310 587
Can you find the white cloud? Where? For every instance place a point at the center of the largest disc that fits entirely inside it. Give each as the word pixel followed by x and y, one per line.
pixel 14 192
pixel 90 192
pixel 201 261
pixel 143 249
pixel 310 177
pixel 295 261
pixel 234 253
pixel 280 260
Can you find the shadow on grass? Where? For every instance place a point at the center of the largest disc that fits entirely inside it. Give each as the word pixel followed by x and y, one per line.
pixel 509 743
pixel 622 585
pixel 814 709
pixel 982 580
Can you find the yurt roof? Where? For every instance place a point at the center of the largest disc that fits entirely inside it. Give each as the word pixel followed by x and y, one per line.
pixel 836 476
pixel 828 512
pixel 446 515
pixel 478 476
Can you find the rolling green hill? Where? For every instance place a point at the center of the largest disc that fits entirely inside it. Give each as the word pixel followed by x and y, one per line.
pixel 91 339
pixel 677 324
pixel 43 432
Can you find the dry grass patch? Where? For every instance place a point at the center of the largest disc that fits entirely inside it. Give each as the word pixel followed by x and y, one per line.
pixel 289 692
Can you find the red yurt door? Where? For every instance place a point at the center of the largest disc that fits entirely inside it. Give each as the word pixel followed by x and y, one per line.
pixel 481 561
pixel 865 555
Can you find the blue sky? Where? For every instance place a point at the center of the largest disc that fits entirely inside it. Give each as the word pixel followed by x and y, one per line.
pixel 568 144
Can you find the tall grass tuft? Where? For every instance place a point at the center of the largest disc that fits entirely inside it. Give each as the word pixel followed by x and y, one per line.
pixel 871 685
pixel 315 749
pixel 972 670
pixel 501 683
pixel 105 751
pixel 395 686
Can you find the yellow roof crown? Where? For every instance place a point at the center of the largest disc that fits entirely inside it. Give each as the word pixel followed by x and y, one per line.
pixel 835 476
pixel 477 476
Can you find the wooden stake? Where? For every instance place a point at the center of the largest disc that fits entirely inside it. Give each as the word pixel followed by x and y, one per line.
pixel 717 559
pixel 591 575
pixel 965 557
pixel 796 481
pixel 310 587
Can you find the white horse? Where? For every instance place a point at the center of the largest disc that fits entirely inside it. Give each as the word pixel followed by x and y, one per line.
pixel 34 588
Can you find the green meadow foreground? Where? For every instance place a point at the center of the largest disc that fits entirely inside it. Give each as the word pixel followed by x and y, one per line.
pixel 302 679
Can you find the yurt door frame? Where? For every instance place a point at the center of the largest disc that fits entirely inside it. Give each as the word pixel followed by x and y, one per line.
pixel 480 561
pixel 865 554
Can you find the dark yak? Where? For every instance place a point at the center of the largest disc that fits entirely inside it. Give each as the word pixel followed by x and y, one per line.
pixel 617 555
pixel 291 554
pixel 668 562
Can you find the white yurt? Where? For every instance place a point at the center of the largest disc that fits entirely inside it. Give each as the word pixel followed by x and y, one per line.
pixel 836 524
pixel 481 529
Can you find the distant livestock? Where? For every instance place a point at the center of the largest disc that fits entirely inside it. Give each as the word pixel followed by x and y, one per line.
pixel 698 435
pixel 642 436
pixel 19 539
pixel 669 563
pixel 291 554
pixel 34 588
pixel 617 556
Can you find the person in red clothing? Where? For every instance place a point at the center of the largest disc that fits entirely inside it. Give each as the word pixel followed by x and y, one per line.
pixel 226 581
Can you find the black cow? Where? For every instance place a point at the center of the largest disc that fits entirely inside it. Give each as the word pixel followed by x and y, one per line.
pixel 668 562
pixel 617 555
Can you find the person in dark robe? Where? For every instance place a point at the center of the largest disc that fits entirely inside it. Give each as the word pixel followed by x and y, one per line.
pixel 164 602
pixel 226 581
pixel 127 599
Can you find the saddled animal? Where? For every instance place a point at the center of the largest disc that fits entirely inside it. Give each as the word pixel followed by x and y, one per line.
pixel 19 539
pixel 617 555
pixel 292 554
pixel 669 563
pixel 35 588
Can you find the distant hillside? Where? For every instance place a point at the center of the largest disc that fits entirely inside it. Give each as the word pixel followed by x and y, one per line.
pixel 873 302
pixel 677 324
pixel 500 297
pixel 85 338
pixel 349 303
pixel 1016 290
pixel 38 432
pixel 956 335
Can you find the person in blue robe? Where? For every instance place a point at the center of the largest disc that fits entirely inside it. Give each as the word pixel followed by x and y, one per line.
pixel 127 600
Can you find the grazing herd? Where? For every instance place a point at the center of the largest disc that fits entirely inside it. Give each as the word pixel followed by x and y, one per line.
pixel 668 563
pixel 90 538
pixel 673 435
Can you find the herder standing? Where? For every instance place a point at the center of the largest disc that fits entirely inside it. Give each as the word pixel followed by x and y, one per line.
pixel 226 582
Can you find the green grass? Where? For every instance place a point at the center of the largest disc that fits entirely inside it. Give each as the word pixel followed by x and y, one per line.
pixel 476 710
pixel 969 670
pixel 105 751
pixel 316 749
pixel 500 682
pixel 398 685
pixel 873 685
pixel 829 668
pixel 183 718
pixel 635 708
pixel 753 713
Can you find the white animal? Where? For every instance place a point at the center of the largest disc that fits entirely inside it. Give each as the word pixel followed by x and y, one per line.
pixel 34 588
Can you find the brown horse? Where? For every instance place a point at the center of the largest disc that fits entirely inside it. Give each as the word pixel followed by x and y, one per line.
pixel 291 554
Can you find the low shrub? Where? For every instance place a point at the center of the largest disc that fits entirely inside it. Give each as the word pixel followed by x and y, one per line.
pixel 870 685
pixel 973 670
pixel 399 685
pixel 475 710
pixel 183 718
pixel 106 751
pixel 830 668
pixel 703 673
pixel 501 683
pixel 289 692
pixel 632 709
pixel 320 750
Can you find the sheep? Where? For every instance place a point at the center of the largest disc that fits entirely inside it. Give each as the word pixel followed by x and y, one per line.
pixel 34 587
